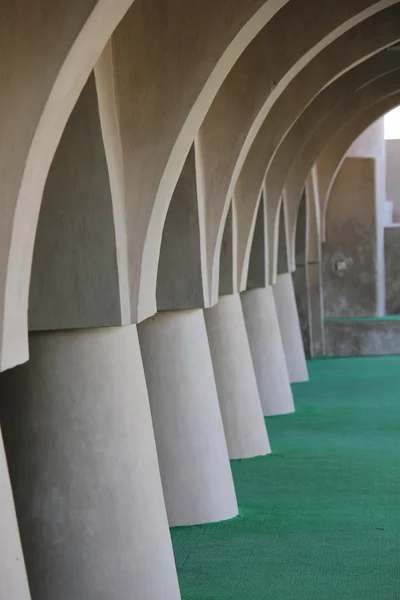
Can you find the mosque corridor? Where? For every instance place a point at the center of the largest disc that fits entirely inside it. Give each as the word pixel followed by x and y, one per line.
pixel 319 518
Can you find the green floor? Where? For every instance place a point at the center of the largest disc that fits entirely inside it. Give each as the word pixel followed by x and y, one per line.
pixel 320 518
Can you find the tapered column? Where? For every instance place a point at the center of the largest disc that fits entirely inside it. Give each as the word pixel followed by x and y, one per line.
pixel 267 351
pixel 194 462
pixel 289 324
pixel 83 465
pixel 238 394
pixel 13 579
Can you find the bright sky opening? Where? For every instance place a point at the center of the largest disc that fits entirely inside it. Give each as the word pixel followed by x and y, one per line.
pixel 392 124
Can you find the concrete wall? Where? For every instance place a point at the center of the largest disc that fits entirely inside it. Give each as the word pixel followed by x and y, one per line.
pixel 349 254
pixel 364 337
pixel 371 144
pixel 392 264
pixel 393 176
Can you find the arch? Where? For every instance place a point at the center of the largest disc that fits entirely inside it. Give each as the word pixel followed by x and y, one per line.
pixel 150 171
pixel 235 116
pixel 61 64
pixel 34 116
pixel 386 85
pixel 148 182
pixel 323 105
pixel 160 49
pixel 354 46
pixel 333 155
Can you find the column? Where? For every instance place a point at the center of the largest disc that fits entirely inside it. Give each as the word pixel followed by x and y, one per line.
pixel 13 579
pixel 83 466
pixel 316 309
pixel 194 463
pixel 238 395
pixel 289 325
pixel 267 351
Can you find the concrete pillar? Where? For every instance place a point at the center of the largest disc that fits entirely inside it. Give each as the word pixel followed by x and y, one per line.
pixel 13 579
pixel 267 351
pixel 83 465
pixel 316 309
pixel 289 325
pixel 313 266
pixel 238 394
pixel 194 463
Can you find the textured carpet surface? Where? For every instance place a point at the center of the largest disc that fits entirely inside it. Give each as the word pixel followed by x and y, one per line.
pixel 320 518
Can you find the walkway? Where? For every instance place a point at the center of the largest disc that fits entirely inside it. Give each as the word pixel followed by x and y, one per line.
pixel 320 518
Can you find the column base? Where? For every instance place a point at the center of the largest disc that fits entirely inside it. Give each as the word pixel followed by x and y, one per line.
pixel 83 466
pixel 239 400
pixel 267 351
pixel 289 324
pixel 194 462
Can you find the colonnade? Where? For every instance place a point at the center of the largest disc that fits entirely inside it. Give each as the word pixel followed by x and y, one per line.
pixel 153 159
pixel 102 464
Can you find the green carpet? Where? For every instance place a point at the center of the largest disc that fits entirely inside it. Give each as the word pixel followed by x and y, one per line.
pixel 320 518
